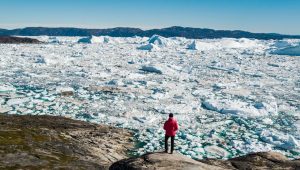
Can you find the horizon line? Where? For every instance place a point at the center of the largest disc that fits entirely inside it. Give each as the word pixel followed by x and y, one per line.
pixel 146 29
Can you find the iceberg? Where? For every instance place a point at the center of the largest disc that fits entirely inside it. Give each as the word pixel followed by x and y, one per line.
pixel 225 44
pixel 149 47
pixel 94 40
pixel 193 46
pixel 198 45
pixel 158 40
pixel 162 41
pixel 290 51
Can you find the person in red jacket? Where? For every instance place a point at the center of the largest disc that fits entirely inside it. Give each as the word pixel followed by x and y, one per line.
pixel 170 126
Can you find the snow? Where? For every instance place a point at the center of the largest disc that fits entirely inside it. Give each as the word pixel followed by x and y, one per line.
pixel 230 96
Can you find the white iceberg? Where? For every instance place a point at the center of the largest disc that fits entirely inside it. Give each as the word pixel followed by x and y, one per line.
pixel 94 40
pixel 199 45
pixel 161 41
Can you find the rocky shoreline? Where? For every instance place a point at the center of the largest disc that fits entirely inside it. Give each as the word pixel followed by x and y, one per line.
pixel 50 142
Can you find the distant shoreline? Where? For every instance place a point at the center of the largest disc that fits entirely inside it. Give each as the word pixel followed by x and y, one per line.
pixel 175 31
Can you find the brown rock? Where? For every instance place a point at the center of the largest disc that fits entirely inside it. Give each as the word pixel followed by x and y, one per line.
pixel 48 142
pixel 261 160
pixel 161 161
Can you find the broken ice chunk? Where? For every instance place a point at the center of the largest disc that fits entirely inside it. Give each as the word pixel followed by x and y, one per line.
pixel 216 151
pixel 17 101
pixel 151 69
pixel 280 140
pixel 65 91
pixel 149 47
pixel 5 109
pixel 4 88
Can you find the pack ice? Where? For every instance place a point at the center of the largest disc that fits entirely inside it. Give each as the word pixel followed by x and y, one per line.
pixel 230 96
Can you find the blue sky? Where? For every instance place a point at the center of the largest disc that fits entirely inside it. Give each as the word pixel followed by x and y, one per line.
pixel 280 16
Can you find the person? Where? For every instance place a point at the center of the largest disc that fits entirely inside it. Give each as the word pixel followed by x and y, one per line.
pixel 170 126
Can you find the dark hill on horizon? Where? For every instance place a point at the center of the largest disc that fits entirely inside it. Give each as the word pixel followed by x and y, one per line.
pixel 175 31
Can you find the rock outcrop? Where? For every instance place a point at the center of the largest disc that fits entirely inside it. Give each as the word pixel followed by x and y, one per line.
pixel 48 142
pixel 261 160
pixel 162 161
pixel 17 40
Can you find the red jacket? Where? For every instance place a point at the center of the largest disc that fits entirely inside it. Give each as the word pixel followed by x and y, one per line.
pixel 171 126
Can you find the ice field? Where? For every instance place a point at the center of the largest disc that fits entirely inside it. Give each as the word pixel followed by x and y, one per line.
pixel 230 96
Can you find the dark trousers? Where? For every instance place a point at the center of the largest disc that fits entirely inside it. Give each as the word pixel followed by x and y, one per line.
pixel 172 143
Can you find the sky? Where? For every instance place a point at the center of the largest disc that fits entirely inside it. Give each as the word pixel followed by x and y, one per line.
pixel 276 16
